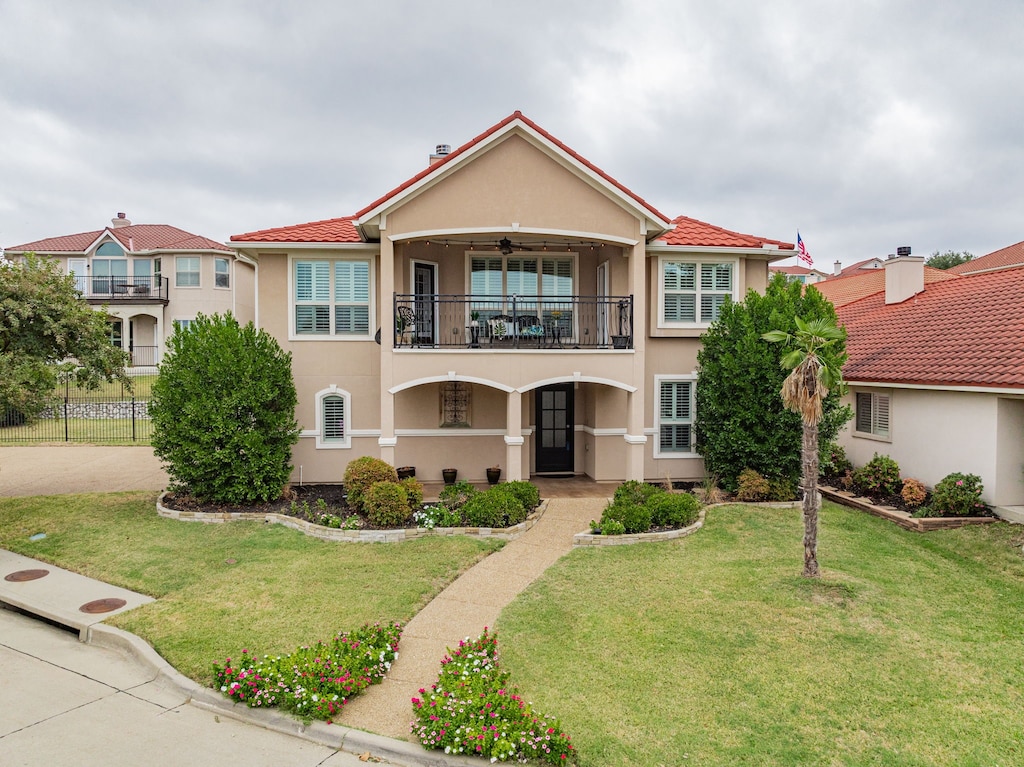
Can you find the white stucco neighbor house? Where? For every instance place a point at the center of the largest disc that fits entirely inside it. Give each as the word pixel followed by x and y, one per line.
pixel 148 278
pixel 936 376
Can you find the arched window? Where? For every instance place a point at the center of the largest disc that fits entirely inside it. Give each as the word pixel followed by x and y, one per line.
pixel 332 418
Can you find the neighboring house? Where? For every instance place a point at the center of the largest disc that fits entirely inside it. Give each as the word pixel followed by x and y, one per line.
pixel 511 305
pixel 150 277
pixel 936 376
pixel 1004 258
pixel 800 274
pixel 860 267
pixel 844 290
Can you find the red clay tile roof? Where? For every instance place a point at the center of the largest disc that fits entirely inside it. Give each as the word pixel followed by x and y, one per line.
pixel 966 332
pixel 858 268
pixel 690 231
pixel 134 238
pixel 329 230
pixel 1012 255
pixel 517 115
pixel 844 290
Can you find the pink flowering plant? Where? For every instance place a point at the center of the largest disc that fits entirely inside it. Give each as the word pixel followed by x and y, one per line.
pixel 957 495
pixel 473 710
pixel 312 682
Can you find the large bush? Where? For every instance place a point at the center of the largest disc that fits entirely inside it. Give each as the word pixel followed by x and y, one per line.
pixel 223 410
pixel 878 477
pixel 958 495
pixel 741 422
pixel 387 504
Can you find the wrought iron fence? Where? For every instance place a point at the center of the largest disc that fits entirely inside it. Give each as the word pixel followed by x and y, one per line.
pixel 82 418
pixel 516 322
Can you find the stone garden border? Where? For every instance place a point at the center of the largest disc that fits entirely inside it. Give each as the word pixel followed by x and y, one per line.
pixel 900 517
pixel 352 536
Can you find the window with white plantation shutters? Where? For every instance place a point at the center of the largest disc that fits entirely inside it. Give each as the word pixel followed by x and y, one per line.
pixel 872 415
pixel 332 298
pixel 333 418
pixel 693 292
pixel 675 416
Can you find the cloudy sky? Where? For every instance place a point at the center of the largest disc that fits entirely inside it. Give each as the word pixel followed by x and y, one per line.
pixel 867 125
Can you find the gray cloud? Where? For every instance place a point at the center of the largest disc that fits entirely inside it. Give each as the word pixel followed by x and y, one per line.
pixel 867 125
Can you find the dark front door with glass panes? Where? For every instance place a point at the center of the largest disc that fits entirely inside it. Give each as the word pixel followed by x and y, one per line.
pixel 554 419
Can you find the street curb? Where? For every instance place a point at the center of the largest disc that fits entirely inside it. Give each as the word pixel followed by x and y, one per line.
pixel 334 736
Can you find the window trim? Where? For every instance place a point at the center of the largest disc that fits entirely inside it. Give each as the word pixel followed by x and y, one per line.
pixel 690 378
pixel 217 261
pixel 322 443
pixel 370 261
pixel 198 272
pixel 698 261
pixel 876 398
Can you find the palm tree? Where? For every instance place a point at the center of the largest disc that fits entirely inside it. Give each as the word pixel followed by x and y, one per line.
pixel 803 392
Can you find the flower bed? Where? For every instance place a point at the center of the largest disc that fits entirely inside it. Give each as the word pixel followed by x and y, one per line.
pixel 472 709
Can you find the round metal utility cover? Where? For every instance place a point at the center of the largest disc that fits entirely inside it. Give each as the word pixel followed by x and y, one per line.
pixel 26 575
pixel 102 605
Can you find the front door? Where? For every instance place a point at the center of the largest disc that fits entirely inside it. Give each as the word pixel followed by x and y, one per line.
pixel 424 280
pixel 555 428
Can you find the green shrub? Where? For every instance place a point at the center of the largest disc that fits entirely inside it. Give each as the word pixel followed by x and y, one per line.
pixel 958 495
pixel 363 472
pixel 223 412
pixel 832 462
pixel 527 493
pixel 608 527
pixel 437 515
pixel 413 489
pixel 741 421
pixel 751 486
pixel 456 495
pixel 387 505
pixel 635 518
pixel 673 509
pixel 781 489
pixel 632 491
pixel 913 492
pixel 493 508
pixel 880 476
pixel 517 509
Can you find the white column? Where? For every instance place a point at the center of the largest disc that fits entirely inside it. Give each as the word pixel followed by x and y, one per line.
pixel 386 311
pixel 514 437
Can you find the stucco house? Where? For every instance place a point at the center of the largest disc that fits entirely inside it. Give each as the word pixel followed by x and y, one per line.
pixel 801 274
pixel 150 277
pixel 510 304
pixel 936 375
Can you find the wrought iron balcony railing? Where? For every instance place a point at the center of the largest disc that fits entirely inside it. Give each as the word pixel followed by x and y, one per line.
pixel 123 288
pixel 513 322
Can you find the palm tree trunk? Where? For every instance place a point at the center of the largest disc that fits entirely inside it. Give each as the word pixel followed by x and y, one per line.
pixel 812 500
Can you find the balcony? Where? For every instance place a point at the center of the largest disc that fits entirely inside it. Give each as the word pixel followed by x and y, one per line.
pixel 123 290
pixel 437 321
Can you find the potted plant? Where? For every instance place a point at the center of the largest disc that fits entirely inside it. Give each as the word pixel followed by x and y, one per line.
pixel 405 472
pixel 493 474
pixel 449 475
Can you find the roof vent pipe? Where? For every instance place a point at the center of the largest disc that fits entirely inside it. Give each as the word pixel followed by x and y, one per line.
pixel 440 152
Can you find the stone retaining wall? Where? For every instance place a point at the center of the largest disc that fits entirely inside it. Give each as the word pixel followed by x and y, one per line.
pixel 99 410
pixel 900 517
pixel 353 536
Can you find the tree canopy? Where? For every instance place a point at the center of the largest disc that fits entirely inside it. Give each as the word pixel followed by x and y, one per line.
pixel 49 334
pixel 741 421
pixel 948 259
pixel 223 410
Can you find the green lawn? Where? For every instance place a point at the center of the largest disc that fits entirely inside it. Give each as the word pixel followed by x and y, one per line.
pixel 714 651
pixel 95 431
pixel 225 587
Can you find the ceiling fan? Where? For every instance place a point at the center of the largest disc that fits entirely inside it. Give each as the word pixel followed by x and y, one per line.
pixel 505 246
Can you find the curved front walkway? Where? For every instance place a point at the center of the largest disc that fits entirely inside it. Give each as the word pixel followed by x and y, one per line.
pixel 471 603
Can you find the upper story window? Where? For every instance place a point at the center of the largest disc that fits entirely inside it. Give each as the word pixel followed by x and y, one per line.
pixel 872 414
pixel 693 291
pixel 331 298
pixel 551 277
pixel 186 271
pixel 222 273
pixel 109 249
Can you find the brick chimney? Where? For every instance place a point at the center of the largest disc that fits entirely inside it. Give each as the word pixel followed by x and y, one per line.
pixel 119 221
pixel 904 276
pixel 440 152
pixel 837 268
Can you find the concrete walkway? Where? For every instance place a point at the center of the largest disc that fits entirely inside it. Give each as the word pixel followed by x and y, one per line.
pixel 471 603
pixel 62 469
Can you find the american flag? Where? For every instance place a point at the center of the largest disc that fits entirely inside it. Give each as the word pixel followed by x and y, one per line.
pixel 801 251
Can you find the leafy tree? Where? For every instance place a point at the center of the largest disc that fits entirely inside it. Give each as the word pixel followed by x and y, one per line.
pixel 804 392
pixel 48 334
pixel 741 422
pixel 223 410
pixel 948 259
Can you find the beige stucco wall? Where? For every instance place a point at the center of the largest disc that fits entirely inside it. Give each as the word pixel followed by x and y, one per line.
pixel 935 433
pixel 186 303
